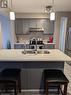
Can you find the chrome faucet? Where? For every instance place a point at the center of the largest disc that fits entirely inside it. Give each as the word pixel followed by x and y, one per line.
pixel 24 48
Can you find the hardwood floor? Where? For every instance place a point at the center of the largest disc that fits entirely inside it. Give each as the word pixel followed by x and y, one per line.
pixel 39 94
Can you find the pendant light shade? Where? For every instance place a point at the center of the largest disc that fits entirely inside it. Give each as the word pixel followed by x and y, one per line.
pixel 12 15
pixel 51 11
pixel 52 16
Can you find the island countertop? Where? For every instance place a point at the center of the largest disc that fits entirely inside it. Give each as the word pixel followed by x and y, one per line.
pixel 17 55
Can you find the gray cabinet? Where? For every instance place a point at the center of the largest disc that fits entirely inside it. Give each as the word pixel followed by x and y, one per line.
pixel 22 25
pixel 49 46
pixel 40 23
pixel 19 26
pixel 18 46
pixel 32 23
pixel 21 46
pixel 48 27
pixel 25 26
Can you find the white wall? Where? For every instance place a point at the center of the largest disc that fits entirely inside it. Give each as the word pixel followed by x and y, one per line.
pixel 57 25
pixel 57 31
pixel 5 30
pixel 12 33
pixel 63 27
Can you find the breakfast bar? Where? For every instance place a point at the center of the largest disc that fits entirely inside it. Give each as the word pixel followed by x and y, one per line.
pixel 32 64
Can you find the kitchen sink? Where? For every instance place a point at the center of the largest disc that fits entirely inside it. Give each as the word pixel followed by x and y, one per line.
pixel 35 52
pixel 43 52
pixel 28 52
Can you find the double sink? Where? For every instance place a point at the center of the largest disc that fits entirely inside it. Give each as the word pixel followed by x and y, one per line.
pixel 35 52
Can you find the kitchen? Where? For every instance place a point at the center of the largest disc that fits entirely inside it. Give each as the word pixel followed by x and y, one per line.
pixel 30 30
pixel 34 32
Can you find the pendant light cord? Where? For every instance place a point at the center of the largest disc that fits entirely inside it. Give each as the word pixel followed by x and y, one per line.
pixel 52 5
pixel 11 4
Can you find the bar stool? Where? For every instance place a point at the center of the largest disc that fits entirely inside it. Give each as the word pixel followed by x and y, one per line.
pixel 55 78
pixel 10 79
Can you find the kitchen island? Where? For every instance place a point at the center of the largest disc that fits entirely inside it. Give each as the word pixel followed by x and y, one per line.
pixel 32 64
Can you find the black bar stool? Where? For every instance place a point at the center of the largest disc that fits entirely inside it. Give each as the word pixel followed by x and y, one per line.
pixel 10 79
pixel 55 78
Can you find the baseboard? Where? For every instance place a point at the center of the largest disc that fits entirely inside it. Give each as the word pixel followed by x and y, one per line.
pixel 32 90
pixel 37 91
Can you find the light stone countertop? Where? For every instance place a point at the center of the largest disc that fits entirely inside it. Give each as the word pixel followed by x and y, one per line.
pixel 17 55
pixel 28 43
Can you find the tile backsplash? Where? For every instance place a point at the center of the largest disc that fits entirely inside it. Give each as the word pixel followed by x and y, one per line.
pixel 26 38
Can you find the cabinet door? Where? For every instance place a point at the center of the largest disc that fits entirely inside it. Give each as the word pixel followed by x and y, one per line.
pixel 49 46
pixel 51 27
pixel 25 26
pixel 19 26
pixel 40 23
pixel 18 46
pixel 32 23
pixel 48 27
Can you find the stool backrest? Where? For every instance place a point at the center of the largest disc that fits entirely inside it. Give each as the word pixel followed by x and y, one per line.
pixel 11 72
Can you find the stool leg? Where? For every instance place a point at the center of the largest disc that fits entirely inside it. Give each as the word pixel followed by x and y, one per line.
pixel 19 85
pixel 58 89
pixel 65 88
pixel 15 92
pixel 46 88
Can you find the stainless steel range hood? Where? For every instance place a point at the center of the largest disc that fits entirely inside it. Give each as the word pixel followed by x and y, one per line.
pixel 36 29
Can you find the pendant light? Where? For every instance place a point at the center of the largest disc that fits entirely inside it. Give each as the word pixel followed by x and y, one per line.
pixel 52 13
pixel 12 13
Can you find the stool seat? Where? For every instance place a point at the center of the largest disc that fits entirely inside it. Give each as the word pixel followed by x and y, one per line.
pixel 10 79
pixel 53 77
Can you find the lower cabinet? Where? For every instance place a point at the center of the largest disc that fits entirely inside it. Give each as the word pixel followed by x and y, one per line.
pixel 21 46
pixel 18 46
pixel 49 46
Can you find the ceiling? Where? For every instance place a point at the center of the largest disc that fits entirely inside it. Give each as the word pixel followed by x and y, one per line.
pixel 38 6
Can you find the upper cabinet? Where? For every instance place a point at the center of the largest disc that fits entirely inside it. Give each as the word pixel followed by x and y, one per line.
pixel 32 23
pixel 23 25
pixel 48 27
pixel 40 23
pixel 19 26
